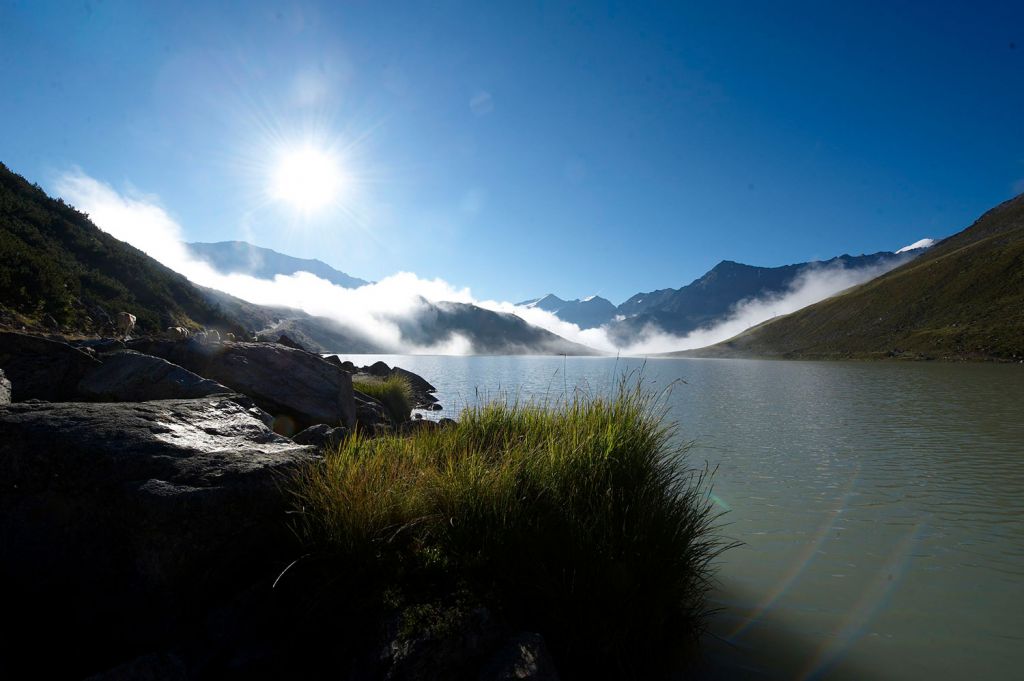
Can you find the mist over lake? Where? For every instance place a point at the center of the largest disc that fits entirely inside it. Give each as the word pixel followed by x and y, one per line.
pixel 878 505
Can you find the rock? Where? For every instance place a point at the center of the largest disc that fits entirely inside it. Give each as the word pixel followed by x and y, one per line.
pixel 438 642
pixel 418 383
pixel 5 389
pixel 348 366
pixel 523 656
pixel 99 345
pixel 284 340
pixel 417 425
pixel 42 369
pixel 129 376
pixel 154 667
pixel 370 413
pixel 333 359
pixel 434 406
pixel 321 436
pixel 421 388
pixel 298 388
pixel 124 524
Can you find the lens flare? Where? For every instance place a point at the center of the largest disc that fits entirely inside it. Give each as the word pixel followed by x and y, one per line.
pixel 307 178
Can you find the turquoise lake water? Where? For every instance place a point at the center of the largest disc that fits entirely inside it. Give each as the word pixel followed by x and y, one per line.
pixel 880 506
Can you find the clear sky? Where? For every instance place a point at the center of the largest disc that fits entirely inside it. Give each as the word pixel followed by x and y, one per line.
pixel 520 148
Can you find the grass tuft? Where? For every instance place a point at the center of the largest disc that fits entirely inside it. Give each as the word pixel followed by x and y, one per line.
pixel 394 392
pixel 580 521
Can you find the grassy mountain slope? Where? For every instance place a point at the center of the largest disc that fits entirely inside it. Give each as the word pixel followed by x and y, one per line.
pixel 55 263
pixel 962 299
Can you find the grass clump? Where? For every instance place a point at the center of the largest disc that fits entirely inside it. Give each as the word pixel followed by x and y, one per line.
pixel 580 521
pixel 393 391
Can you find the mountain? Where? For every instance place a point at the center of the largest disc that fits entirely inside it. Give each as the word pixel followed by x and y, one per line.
pixel 491 333
pixel 712 297
pixel 962 299
pixel 58 270
pixel 588 313
pixel 240 257
pixel 433 324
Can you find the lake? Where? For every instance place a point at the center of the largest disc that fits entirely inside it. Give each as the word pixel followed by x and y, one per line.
pixel 880 506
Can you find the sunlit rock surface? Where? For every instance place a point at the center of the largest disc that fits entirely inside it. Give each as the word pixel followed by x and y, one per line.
pixel 128 525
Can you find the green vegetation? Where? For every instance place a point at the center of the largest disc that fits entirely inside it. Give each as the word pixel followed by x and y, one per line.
pixel 54 261
pixel 581 522
pixel 394 392
pixel 962 299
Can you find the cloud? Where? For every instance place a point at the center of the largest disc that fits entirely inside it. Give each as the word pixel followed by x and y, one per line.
pixel 378 310
pixel 373 311
pixel 813 285
pixel 920 243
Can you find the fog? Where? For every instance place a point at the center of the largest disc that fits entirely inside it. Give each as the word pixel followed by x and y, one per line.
pixel 374 311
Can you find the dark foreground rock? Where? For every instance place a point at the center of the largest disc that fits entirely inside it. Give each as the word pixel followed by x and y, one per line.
pixel 128 527
pixel 321 435
pixel 522 656
pixel 128 376
pixel 42 369
pixel 298 388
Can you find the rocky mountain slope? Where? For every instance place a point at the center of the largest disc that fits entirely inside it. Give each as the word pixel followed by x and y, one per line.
pixel 588 313
pixel 705 301
pixel 240 257
pixel 962 299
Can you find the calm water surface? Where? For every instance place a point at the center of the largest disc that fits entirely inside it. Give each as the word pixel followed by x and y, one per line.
pixel 880 505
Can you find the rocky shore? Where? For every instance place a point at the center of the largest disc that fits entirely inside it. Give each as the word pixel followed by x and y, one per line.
pixel 144 514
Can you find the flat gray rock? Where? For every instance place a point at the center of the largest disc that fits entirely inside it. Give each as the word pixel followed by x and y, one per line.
pixel 128 376
pixel 298 388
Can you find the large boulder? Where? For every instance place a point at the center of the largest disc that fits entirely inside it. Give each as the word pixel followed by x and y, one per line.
pixel 422 390
pixel 42 369
pixel 128 525
pixel 298 388
pixel 129 376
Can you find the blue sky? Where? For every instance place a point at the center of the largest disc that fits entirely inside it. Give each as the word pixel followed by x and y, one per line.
pixel 520 148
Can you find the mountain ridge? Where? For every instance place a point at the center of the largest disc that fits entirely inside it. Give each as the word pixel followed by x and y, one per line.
pixel 242 257
pixel 961 299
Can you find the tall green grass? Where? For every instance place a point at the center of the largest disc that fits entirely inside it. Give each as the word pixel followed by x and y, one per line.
pixel 580 521
pixel 393 391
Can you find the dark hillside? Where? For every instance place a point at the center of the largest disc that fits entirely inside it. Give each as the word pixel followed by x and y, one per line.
pixel 55 263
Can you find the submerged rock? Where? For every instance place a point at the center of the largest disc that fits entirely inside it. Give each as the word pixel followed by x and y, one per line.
pixel 298 388
pixel 5 389
pixel 129 376
pixel 124 524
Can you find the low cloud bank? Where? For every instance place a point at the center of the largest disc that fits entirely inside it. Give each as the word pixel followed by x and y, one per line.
pixel 376 310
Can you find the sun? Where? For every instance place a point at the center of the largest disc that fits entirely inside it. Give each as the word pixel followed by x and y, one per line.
pixel 307 178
